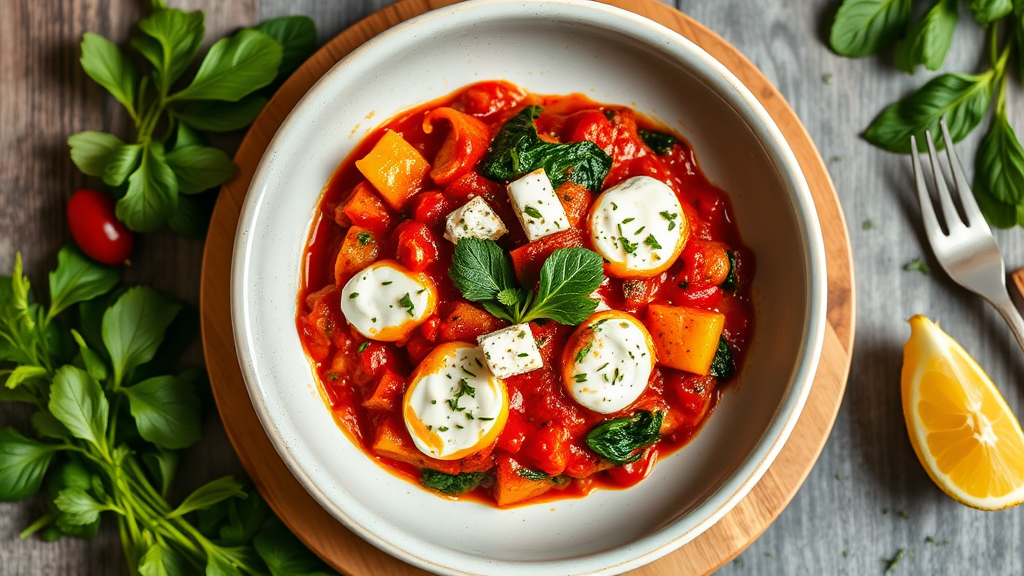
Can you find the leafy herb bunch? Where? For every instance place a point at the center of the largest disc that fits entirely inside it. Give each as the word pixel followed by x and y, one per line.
pixel 156 174
pixel 109 421
pixel 864 27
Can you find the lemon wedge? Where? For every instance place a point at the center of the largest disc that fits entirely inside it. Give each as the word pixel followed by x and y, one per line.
pixel 963 432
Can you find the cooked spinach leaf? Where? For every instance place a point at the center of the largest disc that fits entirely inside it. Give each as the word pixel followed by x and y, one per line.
pixel 723 366
pixel 620 440
pixel 518 150
pixel 660 142
pixel 730 280
pixel 450 484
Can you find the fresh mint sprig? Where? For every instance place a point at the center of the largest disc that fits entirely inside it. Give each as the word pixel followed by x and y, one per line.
pixel 483 272
pixel 157 173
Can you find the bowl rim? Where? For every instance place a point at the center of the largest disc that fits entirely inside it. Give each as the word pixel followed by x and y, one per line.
pixel 737 485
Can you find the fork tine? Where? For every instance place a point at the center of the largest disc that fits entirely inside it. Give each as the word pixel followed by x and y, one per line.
pixel 974 216
pixel 949 212
pixel 931 223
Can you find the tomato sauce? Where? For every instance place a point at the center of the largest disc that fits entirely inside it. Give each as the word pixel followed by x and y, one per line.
pixel 546 429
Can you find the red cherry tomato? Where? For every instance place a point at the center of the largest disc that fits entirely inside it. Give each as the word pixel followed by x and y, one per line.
pixel 416 245
pixel 96 229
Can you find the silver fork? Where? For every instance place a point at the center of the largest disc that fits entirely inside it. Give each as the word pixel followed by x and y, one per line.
pixel 968 253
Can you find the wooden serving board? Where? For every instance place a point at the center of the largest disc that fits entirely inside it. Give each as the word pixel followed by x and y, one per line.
pixel 350 554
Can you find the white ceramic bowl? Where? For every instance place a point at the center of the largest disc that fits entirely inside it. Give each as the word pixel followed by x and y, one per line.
pixel 552 47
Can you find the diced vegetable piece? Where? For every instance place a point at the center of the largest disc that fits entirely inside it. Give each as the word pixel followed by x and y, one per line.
pixel 515 483
pixel 639 292
pixel 575 200
pixel 431 208
pixel 465 144
pixel 707 263
pixel 364 208
pixel 358 250
pixel 528 259
pixel 395 169
pixel 466 322
pixel 511 351
pixel 416 245
pixel 547 449
pixel 388 392
pixel 690 398
pixel 686 338
pixel 393 441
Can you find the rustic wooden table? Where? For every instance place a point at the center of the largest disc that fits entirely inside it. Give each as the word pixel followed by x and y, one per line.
pixel 866 497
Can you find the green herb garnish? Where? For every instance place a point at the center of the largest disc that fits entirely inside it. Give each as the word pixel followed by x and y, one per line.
pixel 919 265
pixel 406 302
pixel 659 142
pixel 533 212
pixel 483 273
pixel 364 238
pixel 722 366
pixel 166 161
pixel 652 242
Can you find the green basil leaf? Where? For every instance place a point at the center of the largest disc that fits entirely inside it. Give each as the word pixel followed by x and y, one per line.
pixel 999 164
pixel 864 27
pixel 208 495
pixel 722 365
pixel 162 466
pixel 242 519
pixel 105 63
pixel 988 11
pixel 192 219
pixel 498 310
pixel 93 151
pixel 199 168
pixel 235 67
pixel 23 463
pixel 162 560
pixel 166 411
pixel 90 320
pixel 297 36
pixel 78 506
pixel 24 373
pixel 152 195
pixel 180 334
pixel 221 563
pixel 450 484
pixel 214 116
pixel 186 136
pixel 480 269
pixel 533 475
pixel 620 440
pixel 134 327
pixel 78 402
pixel 92 361
pixel 46 425
pixel 960 99
pixel 285 555
pixel 78 278
pixel 928 40
pixel 178 35
pixel 998 214
pixel 517 150
pixel 122 163
pixel 70 474
pixel 567 279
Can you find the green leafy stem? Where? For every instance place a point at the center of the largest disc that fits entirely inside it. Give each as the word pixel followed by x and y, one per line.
pixel 167 161
pixel 109 422
pixel 864 27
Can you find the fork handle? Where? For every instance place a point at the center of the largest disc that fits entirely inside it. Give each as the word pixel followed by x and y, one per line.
pixel 1009 312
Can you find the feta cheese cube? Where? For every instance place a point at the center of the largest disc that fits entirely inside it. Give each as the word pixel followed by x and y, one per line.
pixel 511 351
pixel 537 206
pixel 474 220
